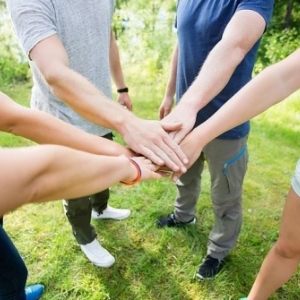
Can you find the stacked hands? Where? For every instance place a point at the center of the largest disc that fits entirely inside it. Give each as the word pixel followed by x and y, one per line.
pixel 172 155
pixel 141 169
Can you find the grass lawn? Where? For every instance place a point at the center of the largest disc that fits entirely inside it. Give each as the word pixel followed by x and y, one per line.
pixel 154 263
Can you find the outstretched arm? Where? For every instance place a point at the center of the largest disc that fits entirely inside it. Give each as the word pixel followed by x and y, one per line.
pixel 43 128
pixel 271 86
pixel 146 137
pixel 51 172
pixel 238 38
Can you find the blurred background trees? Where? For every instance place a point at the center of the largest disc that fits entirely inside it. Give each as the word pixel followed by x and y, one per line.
pixel 146 35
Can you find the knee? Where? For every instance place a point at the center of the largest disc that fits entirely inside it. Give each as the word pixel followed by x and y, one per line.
pixel 231 208
pixel 287 249
pixel 80 206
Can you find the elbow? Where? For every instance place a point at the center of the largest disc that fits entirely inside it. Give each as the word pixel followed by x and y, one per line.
pixel 9 125
pixel 235 50
pixel 52 76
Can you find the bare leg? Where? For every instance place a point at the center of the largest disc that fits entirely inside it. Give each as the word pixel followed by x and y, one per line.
pixel 283 259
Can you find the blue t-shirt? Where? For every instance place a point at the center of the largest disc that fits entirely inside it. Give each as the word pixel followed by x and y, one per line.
pixel 200 26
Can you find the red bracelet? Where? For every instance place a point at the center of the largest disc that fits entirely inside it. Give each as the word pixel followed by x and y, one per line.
pixel 139 173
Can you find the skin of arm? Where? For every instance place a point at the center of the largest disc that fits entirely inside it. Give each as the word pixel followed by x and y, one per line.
pixel 48 172
pixel 43 128
pixel 149 138
pixel 168 101
pixel 271 86
pixel 117 74
pixel 238 38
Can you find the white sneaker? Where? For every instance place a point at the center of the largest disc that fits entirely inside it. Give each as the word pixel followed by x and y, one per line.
pixel 97 254
pixel 111 213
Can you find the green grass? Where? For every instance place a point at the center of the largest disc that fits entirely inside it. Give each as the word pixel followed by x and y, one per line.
pixel 153 263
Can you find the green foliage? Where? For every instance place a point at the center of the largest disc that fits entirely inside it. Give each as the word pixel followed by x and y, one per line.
pixel 145 34
pixel 275 46
pixel 13 66
pixel 282 36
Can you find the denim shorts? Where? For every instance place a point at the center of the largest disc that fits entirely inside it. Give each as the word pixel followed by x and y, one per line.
pixel 296 179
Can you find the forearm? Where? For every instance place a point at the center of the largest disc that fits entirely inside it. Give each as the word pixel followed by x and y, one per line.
pixel 87 100
pixel 271 86
pixel 43 128
pixel 115 64
pixel 213 76
pixel 171 85
pixel 237 40
pixel 52 172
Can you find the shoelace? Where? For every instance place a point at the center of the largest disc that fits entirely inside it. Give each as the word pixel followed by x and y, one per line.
pixel 172 217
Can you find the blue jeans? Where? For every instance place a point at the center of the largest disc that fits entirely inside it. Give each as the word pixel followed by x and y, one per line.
pixel 13 271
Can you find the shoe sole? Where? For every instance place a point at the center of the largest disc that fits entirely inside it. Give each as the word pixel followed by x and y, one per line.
pixel 116 219
pixel 201 278
pixel 103 265
pixel 176 226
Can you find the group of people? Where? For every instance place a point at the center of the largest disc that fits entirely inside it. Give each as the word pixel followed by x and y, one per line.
pixel 73 55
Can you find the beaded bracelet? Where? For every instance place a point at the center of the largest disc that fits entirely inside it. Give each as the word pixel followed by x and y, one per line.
pixel 139 173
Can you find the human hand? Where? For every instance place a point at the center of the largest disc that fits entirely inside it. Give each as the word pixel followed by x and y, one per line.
pixel 151 139
pixel 181 114
pixel 124 100
pixel 148 169
pixel 165 107
pixel 192 149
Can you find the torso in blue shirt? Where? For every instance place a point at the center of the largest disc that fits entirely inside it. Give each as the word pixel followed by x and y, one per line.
pixel 200 26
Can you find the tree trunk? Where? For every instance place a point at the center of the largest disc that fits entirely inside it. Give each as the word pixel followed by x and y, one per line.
pixel 288 15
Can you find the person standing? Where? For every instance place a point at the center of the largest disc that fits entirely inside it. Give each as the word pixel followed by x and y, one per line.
pixel 73 55
pixel 213 59
pixel 273 85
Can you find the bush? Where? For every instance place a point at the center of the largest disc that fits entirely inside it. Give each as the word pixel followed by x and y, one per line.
pixel 13 65
pixel 275 46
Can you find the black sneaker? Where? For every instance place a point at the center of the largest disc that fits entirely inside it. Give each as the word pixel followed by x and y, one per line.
pixel 210 267
pixel 170 221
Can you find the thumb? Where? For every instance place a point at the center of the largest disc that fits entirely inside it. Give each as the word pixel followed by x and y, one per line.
pixel 171 126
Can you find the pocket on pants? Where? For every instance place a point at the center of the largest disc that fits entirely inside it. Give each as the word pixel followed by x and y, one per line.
pixel 234 171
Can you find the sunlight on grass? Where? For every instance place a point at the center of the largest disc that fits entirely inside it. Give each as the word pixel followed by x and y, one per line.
pixel 154 263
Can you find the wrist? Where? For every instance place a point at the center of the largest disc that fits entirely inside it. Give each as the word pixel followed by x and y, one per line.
pixel 137 173
pixel 123 90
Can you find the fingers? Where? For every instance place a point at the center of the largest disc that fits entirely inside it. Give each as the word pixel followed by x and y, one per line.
pixel 150 139
pixel 178 136
pixel 125 101
pixel 171 156
pixel 163 113
pixel 148 169
pixel 171 126
pixel 176 176
pixel 129 105
pixel 160 174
